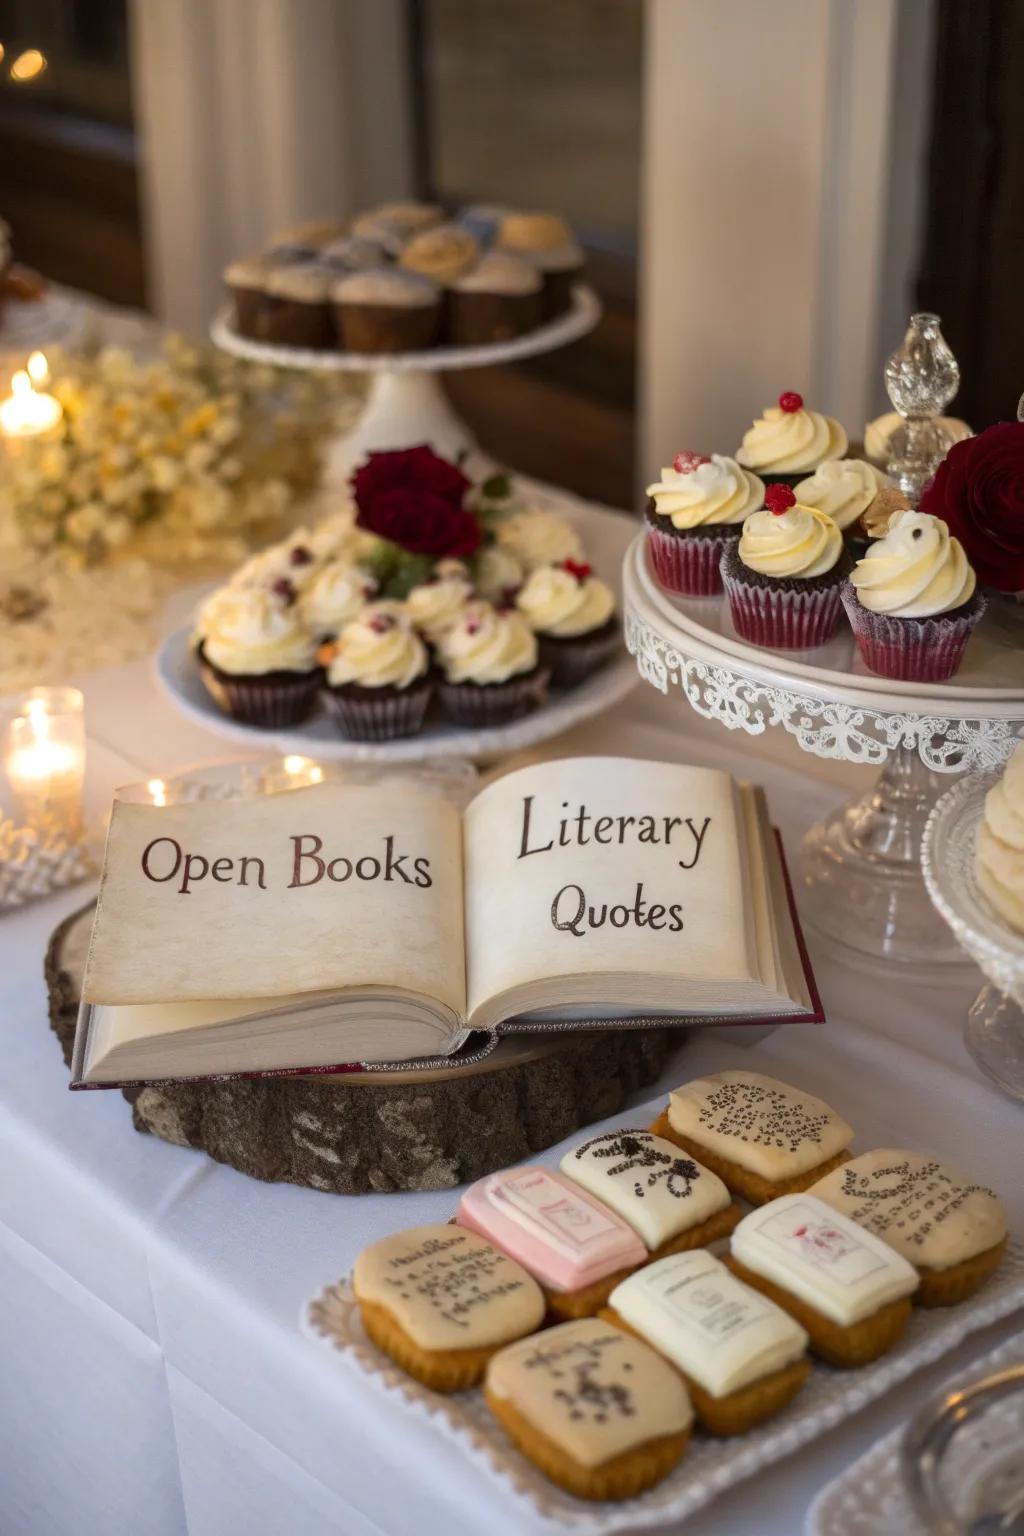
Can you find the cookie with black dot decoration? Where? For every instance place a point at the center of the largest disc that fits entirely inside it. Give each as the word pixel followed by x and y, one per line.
pixel 440 1300
pixel 670 1200
pixel 595 1409
pixel 763 1138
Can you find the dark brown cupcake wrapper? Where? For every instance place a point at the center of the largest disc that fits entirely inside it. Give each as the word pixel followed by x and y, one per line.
pixel 379 714
pixel 274 701
pixel 572 661
pixel 484 704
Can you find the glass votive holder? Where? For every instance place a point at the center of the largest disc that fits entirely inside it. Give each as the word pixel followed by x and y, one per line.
pixel 44 761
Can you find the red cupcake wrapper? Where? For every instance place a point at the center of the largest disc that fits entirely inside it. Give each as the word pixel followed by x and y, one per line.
pixel 688 564
pixel 783 618
pixel 383 717
pixel 911 650
pixel 484 704
pixel 272 704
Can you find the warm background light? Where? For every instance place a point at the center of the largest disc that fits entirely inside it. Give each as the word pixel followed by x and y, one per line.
pixel 28 65
pixel 38 369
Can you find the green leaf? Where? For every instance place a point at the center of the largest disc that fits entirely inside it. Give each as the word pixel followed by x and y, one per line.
pixel 497 488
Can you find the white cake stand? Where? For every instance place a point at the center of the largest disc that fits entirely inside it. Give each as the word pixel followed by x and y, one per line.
pixel 406 404
pixel 861 867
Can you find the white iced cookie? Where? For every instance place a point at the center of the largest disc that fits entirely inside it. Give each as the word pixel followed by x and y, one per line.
pixel 918 571
pixel 648 1182
pixel 844 488
pixel 565 600
pixel 758 1124
pixel 539 538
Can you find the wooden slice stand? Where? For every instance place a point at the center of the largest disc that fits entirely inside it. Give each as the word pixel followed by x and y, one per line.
pixel 420 1130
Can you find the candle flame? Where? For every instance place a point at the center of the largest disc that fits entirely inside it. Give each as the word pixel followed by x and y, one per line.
pixel 38 369
pixel 295 764
pixel 21 384
pixel 157 791
pixel 39 718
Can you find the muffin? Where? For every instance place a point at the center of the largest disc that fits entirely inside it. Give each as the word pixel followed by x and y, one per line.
pixel 539 538
pixel 246 281
pixel 256 656
pixel 846 489
pixel 787 443
pixel 784 576
pixel 386 310
pixel 913 601
pixel 491 667
pixel 999 864
pixel 497 299
pixel 436 605
pixel 693 512
pixel 443 253
pixel 547 243
pixel 378 677
pixel 572 613
pixel 296 305
pixel 336 595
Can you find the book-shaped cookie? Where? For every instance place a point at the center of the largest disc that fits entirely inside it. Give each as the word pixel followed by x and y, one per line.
pixel 763 1138
pixel 952 1231
pixel 670 1201
pixel 575 1247
pixel 743 1357
pixel 597 1411
pixel 440 1301
pixel 844 1285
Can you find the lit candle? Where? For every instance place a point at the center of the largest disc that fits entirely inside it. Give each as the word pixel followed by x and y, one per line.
pixel 156 789
pixel 45 759
pixel 28 410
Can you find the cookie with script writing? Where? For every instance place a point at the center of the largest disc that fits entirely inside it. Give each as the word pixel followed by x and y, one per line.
pixel 763 1138
pixel 576 1247
pixel 596 1410
pixel 743 1358
pixel 669 1200
pixel 844 1285
pixel 440 1300
pixel 952 1231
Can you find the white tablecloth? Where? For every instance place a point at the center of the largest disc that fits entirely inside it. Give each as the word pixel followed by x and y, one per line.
pixel 153 1376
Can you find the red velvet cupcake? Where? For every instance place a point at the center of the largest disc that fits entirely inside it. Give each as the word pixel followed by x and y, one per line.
pixel 784 576
pixel 693 512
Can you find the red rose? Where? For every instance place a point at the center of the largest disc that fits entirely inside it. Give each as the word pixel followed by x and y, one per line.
pixel 978 491
pixel 414 498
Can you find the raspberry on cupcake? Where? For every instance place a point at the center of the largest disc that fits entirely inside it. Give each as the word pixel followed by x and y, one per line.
pixel 784 575
pixel 492 670
pixel 378 675
pixel 913 601
pixel 788 442
pixel 693 512
pixel 572 613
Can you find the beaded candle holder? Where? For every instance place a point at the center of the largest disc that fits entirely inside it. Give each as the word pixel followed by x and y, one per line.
pixel 42 843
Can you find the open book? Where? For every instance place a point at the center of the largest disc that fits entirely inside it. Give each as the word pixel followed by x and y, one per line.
pixel 341 924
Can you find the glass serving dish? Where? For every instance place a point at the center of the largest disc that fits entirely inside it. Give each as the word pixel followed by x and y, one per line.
pixel 962 1457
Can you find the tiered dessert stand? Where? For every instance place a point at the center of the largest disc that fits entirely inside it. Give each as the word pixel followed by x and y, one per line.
pixel 406 404
pixel 860 868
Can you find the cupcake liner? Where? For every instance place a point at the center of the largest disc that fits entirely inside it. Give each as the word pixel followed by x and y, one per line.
pixel 782 618
pixel 273 701
pixel 484 704
pixel 688 563
pixel 571 661
pixel 379 714
pixel 911 650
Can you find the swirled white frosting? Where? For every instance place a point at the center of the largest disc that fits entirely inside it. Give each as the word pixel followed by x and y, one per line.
pixel 335 596
pixel 436 605
pixel 337 537
pixel 783 442
pixel 800 542
pixel 379 649
pixel 488 645
pixel 555 602
pixel 250 631
pixel 496 572
pixel 720 491
pixel 293 559
pixel 1000 856
pixel 916 572
pixel 878 432
pixel 539 538
pixel 844 488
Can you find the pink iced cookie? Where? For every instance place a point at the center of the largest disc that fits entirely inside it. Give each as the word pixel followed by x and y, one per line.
pixel 567 1240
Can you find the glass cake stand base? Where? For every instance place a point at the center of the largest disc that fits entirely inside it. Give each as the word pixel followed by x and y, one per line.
pixel 995 1038
pixel 861 870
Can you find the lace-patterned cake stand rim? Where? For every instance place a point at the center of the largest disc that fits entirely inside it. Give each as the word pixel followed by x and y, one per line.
pixel 860 874
pixel 406 404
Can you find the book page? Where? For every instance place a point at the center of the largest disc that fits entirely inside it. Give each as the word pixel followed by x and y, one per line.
pixel 600 866
pixel 313 890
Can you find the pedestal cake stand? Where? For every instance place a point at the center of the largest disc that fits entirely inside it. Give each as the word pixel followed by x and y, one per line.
pixel 406 404
pixel 860 868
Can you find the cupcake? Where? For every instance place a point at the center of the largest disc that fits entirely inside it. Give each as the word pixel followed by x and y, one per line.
pixel 539 538
pixel 256 656
pixel 336 595
pixel 784 576
pixel 402 219
pixel 443 253
pixel 246 281
pixel 352 254
pixel 497 299
pixel 547 243
pixel 337 537
pixel 787 443
pixel 378 678
pixel 386 310
pixel 572 613
pixel 483 220
pixel 436 605
pixel 497 574
pixel 492 671
pixel 879 434
pixel 296 305
pixel 913 601
pixel 999 862
pixel 303 242
pixel 693 512
pixel 287 565
pixel 846 489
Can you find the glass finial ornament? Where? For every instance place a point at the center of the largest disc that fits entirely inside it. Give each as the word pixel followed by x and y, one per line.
pixel 921 378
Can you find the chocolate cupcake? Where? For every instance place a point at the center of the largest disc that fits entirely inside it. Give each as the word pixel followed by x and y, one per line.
pixel 539 538
pixel 386 310
pixel 335 595
pixel 246 282
pixel 846 489
pixel 397 222
pixel 256 657
pixel 496 300
pixel 304 242
pixel 784 575
pixel 788 442
pixel 693 512
pixel 492 670
pixel 547 243
pixel 353 254
pixel 435 606
pixel 572 613
pixel 296 307
pixel 378 678
pixel 443 253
